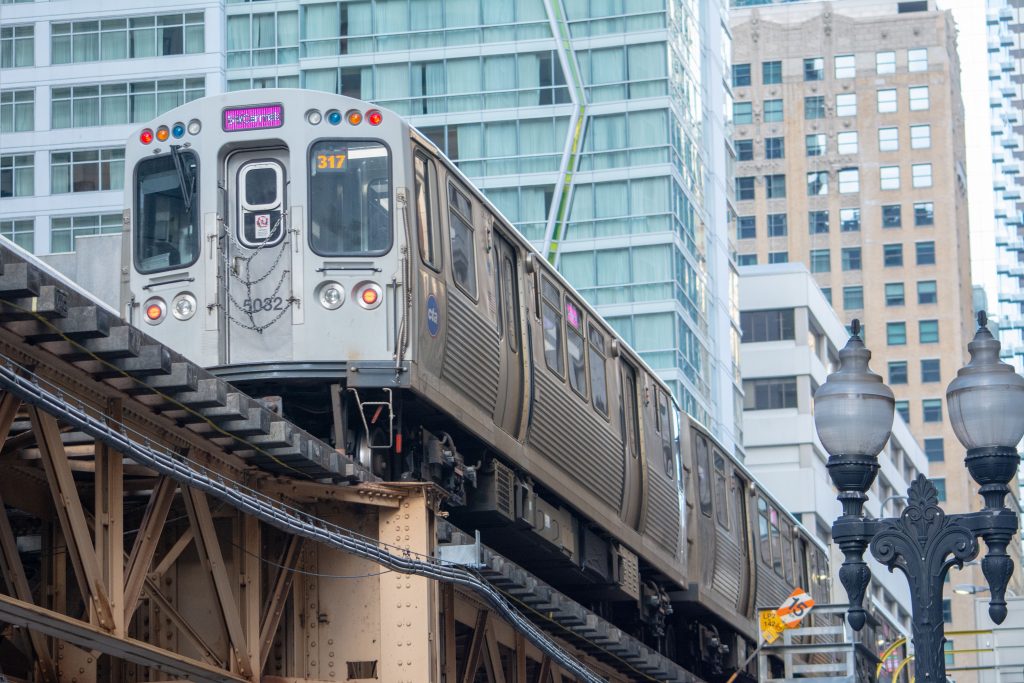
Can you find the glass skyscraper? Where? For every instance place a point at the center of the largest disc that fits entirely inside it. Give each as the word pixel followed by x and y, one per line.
pixel 596 126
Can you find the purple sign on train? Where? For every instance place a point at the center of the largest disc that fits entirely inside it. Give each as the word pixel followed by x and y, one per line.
pixel 253 118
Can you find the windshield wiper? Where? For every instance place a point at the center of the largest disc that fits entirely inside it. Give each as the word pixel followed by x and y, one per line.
pixel 186 179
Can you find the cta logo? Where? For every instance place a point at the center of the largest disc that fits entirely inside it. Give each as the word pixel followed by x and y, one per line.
pixel 433 316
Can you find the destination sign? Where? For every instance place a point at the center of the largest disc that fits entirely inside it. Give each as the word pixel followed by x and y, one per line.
pixel 253 118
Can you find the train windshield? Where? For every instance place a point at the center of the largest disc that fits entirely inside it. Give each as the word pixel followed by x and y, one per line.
pixel 166 234
pixel 350 198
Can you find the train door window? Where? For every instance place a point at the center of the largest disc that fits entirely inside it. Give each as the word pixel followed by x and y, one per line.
pixel 703 476
pixel 349 198
pixel 511 302
pixel 630 411
pixel 721 491
pixel 552 319
pixel 802 555
pixel 763 528
pixel 787 550
pixel 598 380
pixel 776 541
pixel 426 210
pixel 260 203
pixel 460 226
pixel 676 437
pixel 166 212
pixel 667 435
pixel 575 345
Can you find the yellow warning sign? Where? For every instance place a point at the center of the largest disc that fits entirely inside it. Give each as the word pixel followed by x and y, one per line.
pixel 771 626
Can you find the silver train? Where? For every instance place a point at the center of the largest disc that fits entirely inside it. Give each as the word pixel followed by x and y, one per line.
pixel 318 250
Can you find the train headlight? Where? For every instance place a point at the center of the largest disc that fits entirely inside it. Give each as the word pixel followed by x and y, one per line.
pixel 313 117
pixel 184 306
pixel 369 295
pixel 194 127
pixel 156 310
pixel 331 295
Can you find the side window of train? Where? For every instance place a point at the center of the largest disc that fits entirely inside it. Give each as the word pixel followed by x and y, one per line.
pixel 460 225
pixel 667 435
pixel 510 301
pixel 426 210
pixel 575 345
pixel 787 549
pixel 630 411
pixel 776 541
pixel 763 527
pixel 721 491
pixel 703 476
pixel 598 380
pixel 167 212
pixel 551 305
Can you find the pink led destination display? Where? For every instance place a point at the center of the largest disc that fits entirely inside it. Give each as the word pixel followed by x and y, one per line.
pixel 253 118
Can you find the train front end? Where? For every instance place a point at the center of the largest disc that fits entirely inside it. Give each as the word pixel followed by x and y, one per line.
pixel 267 233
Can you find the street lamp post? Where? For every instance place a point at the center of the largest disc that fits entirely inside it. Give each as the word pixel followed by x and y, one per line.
pixel 853 414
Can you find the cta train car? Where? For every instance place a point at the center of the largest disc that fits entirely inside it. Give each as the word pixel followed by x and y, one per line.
pixel 316 249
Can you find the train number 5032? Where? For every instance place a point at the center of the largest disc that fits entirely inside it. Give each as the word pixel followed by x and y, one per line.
pixel 269 303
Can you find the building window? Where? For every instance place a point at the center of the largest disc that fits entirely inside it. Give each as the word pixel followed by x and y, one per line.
pixel 775 186
pixel 924 214
pixel 17 110
pixel 930 370
pixel 744 150
pixel 931 409
pixel 742 112
pixel 744 188
pixel 947 605
pixel 928 330
pixel 769 394
pixel 814 69
pixel 885 62
pixel 263 39
pixel 935 449
pixel 948 648
pixel 894 295
pixel 853 297
pixel 17 46
pixel 768 325
pixel 919 98
pixel 846 142
pixel 21 231
pixel 778 257
pixel 903 410
pixel 746 259
pixel 746 228
pixel 849 220
pixel 64 230
pixel 846 104
pixel 917 59
pixel 851 258
pixel 927 293
pixel 132 38
pixel 896 334
pixel 889 177
pixel 921 175
pixel 821 261
pixel 888 140
pixel 777 225
pixel 849 180
pixel 774 148
pixel 772 111
pixel 846 66
pixel 814 107
pixel 891 216
pixel 817 222
pixel 740 75
pixel 921 136
pixel 17 175
pixel 87 170
pixel 925 253
pixel 892 255
pixel 817 183
pixel 84 106
pixel 827 293
pixel 771 72
pixel 815 145
pixel 887 101
pixel 897 372
pixel 940 488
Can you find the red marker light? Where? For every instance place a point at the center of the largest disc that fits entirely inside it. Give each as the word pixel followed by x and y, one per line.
pixel 354 117
pixel 146 136
pixel 154 312
pixel 369 296
pixel 374 117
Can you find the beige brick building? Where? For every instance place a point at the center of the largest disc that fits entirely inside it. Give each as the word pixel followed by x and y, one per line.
pixel 849 138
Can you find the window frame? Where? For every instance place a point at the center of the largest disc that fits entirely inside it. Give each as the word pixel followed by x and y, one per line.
pixel 433 220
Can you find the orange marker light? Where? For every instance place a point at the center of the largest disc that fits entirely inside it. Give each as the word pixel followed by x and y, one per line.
pixel 374 117
pixel 154 312
pixel 354 117
pixel 146 136
pixel 162 133
pixel 369 296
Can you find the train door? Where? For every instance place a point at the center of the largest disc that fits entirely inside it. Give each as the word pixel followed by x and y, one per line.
pixel 509 410
pixel 745 600
pixel 631 506
pixel 256 257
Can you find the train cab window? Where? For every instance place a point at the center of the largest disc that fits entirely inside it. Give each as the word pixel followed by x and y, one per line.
pixel 630 411
pixel 721 492
pixel 777 563
pixel 703 476
pixel 349 198
pixel 426 210
pixel 667 434
pixel 598 381
pixel 575 346
pixel 460 227
pixel 167 212
pixel 763 527
pixel 551 306
pixel 260 203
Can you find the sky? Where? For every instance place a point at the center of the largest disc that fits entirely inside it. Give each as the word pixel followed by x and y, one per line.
pixel 972 46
